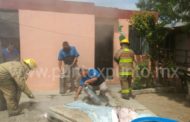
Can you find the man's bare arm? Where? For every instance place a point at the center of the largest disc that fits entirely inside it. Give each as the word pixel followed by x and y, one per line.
pixel 75 61
pixel 117 56
pixel 60 63
pixel 90 81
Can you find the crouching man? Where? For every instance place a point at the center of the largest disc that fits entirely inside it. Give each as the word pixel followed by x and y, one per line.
pixel 92 78
pixel 13 76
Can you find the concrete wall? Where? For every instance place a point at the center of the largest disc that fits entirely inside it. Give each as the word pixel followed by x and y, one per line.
pixel 41 37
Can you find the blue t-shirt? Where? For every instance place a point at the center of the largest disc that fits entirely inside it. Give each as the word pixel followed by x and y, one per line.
pixel 68 57
pixel 10 56
pixel 92 73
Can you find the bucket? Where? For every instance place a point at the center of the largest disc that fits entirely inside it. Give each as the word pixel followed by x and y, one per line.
pixel 154 119
pixel 92 95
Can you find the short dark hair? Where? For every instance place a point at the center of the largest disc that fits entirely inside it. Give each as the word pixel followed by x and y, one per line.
pixel 65 43
pixel 83 69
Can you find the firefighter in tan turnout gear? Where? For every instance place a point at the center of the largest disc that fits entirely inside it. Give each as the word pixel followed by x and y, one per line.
pixel 125 58
pixel 13 76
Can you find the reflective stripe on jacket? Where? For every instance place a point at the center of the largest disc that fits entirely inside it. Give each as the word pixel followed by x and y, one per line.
pixel 126 62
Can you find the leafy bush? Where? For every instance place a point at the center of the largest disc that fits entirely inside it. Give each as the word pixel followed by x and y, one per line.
pixel 143 78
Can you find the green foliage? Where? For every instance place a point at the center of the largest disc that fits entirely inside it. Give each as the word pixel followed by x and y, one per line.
pixel 122 36
pixel 170 10
pixel 120 28
pixel 140 80
pixel 154 34
pixel 144 23
pixel 138 83
pixel 157 40
pixel 142 66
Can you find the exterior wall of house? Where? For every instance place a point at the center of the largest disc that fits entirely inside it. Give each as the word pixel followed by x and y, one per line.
pixel 41 37
pixel 45 24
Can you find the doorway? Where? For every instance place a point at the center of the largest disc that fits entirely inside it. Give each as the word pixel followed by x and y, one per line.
pixel 104 48
pixel 9 35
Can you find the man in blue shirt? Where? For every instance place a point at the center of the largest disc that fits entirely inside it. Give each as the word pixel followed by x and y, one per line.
pixel 67 59
pixel 10 53
pixel 93 78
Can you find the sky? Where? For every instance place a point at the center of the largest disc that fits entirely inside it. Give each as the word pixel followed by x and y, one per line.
pixel 122 4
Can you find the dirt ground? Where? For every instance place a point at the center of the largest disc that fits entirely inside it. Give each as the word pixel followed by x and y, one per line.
pixel 36 110
pixel 167 105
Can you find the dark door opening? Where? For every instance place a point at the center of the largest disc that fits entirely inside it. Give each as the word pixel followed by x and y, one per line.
pixel 135 42
pixel 104 48
pixel 9 35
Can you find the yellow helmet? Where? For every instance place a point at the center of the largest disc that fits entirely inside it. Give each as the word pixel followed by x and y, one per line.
pixel 124 41
pixel 31 63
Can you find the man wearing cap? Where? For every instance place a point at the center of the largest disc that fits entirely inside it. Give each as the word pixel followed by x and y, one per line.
pixel 93 78
pixel 10 53
pixel 13 76
pixel 124 57
pixel 67 61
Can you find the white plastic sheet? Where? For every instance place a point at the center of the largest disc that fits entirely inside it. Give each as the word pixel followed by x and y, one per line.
pixel 96 113
pixel 104 114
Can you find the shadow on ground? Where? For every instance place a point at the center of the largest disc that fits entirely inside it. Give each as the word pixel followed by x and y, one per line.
pixel 177 97
pixel 30 105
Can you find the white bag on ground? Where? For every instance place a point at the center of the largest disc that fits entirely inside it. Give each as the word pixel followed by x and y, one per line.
pixel 126 115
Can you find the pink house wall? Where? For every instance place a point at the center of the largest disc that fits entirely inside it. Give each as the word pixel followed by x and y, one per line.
pixel 41 37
